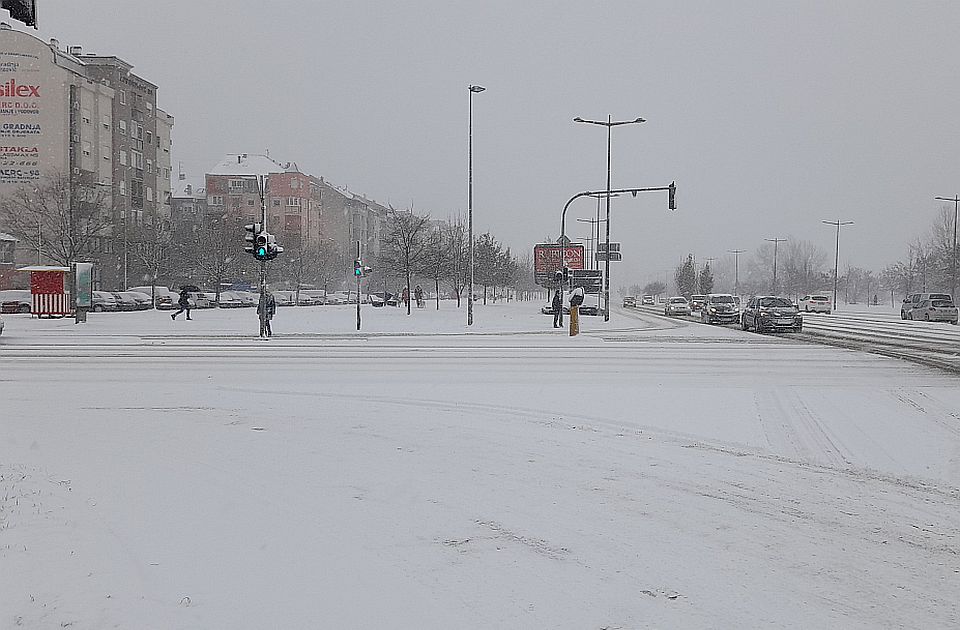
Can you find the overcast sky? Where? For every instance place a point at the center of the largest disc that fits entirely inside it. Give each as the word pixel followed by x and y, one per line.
pixel 769 115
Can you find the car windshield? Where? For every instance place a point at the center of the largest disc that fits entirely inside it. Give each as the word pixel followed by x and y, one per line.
pixel 678 300
pixel 722 299
pixel 775 302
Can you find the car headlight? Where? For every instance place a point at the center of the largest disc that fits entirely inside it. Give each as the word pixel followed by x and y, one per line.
pixel 712 309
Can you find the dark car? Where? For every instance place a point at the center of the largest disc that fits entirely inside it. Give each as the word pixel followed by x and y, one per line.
pixel 719 308
pixel 769 313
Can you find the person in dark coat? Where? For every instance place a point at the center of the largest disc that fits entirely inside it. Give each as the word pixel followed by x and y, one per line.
pixel 557 310
pixel 184 303
pixel 418 294
pixel 270 305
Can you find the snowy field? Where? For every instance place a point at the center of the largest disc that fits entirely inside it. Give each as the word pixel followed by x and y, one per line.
pixel 647 474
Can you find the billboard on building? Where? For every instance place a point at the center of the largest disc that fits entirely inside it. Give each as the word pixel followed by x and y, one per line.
pixel 546 260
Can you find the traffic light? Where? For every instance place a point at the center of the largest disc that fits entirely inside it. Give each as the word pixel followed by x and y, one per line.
pixel 273 250
pixel 252 230
pixel 358 268
pixel 261 249
pixel 673 195
pixel 22 10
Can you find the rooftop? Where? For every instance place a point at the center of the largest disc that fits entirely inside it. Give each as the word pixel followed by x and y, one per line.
pixel 246 164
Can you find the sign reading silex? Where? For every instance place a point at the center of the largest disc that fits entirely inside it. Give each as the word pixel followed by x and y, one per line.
pixel 11 89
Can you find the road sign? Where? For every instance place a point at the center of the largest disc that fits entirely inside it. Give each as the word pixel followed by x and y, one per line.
pixel 614 256
pixel 590 279
pixel 614 247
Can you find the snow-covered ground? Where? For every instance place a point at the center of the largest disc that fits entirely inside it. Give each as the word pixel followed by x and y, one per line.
pixel 158 474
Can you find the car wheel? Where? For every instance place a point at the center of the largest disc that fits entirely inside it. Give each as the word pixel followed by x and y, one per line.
pixel 97 308
pixel 829 312
pixel 903 314
pixel 24 308
pixel 806 309
pixel 954 322
pixel 910 316
pixel 758 327
pixel 926 317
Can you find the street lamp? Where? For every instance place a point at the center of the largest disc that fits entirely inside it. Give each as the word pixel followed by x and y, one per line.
pixel 609 124
pixel 956 207
pixel 776 242
pixel 836 263
pixel 736 269
pixel 473 89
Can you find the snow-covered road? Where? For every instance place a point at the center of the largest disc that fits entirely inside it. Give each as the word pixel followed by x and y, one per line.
pixel 650 474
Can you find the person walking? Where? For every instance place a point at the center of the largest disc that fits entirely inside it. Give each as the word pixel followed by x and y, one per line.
pixel 268 306
pixel 406 296
pixel 418 293
pixel 557 309
pixel 184 303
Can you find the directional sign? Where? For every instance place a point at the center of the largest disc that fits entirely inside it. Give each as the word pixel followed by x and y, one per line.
pixel 614 256
pixel 614 247
pixel 590 279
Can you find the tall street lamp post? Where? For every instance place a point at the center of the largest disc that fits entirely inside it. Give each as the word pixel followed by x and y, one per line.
pixel 736 269
pixel 836 261
pixel 609 124
pixel 956 207
pixel 473 89
pixel 776 242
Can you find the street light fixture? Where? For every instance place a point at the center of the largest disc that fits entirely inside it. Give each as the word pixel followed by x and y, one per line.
pixel 736 267
pixel 776 242
pixel 609 124
pixel 956 207
pixel 836 263
pixel 473 89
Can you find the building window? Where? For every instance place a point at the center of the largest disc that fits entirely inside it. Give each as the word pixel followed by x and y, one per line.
pixel 249 202
pixel 236 185
pixel 86 116
pixel 123 157
pixel 216 200
pixel 106 121
pixel 123 97
pixel 123 127
pixel 293 202
pixel 276 202
pixel 149 166
pixel 294 183
pixel 136 159
pixel 86 148
pixel 149 194
pixel 123 188
pixel 235 202
pixel 149 138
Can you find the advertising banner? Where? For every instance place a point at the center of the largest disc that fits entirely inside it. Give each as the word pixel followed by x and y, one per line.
pixel 24 114
pixel 546 260
pixel 84 288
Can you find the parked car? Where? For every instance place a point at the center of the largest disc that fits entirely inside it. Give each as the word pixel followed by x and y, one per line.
pixel 676 306
pixel 319 296
pixel 229 299
pixel 629 301
pixel 103 301
pixel 696 302
pixel 142 299
pixel 125 301
pixel 647 300
pixel 201 299
pixel 936 311
pixel 283 298
pixel 15 301
pixel 913 300
pixel 383 299
pixel 719 308
pixel 768 313
pixel 163 298
pixel 247 298
pixel 337 297
pixel 815 304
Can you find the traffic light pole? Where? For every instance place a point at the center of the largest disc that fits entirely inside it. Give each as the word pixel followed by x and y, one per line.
pixel 262 306
pixel 359 278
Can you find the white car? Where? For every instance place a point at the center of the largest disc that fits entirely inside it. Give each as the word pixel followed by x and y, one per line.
pixel 15 301
pixel 230 299
pixel 338 297
pixel 815 304
pixel 677 305
pixel 935 311
pixel 164 298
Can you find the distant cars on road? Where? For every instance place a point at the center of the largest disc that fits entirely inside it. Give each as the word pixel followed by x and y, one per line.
pixel 696 303
pixel 935 311
pixel 647 300
pixel 676 306
pixel 629 301
pixel 913 300
pixel 719 308
pixel 815 304
pixel 770 313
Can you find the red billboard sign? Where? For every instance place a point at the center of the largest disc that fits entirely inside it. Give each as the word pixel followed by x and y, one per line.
pixel 546 260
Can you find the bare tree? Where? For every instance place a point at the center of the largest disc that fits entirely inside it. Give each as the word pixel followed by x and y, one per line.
pixel 405 241
pixel 215 251
pixel 154 249
pixel 436 259
pixel 458 273
pixel 47 219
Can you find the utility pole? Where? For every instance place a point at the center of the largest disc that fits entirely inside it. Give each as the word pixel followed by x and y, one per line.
pixel 956 208
pixel 776 242
pixel 262 189
pixel 359 278
pixel 736 266
pixel 836 262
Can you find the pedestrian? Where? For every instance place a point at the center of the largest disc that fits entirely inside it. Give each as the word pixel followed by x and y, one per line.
pixel 418 293
pixel 268 306
pixel 406 296
pixel 557 310
pixel 184 303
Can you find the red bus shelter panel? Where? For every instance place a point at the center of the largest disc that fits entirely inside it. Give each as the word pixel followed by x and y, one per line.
pixel 47 291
